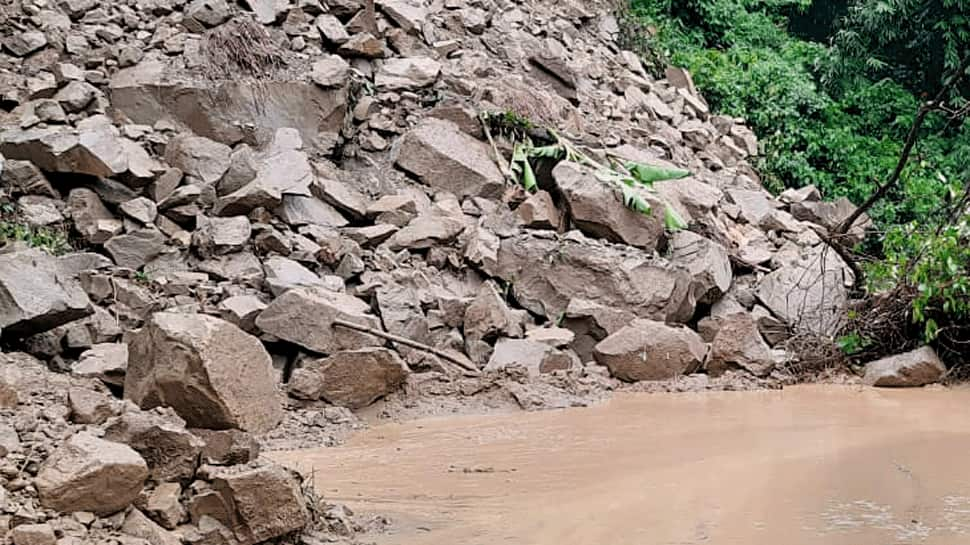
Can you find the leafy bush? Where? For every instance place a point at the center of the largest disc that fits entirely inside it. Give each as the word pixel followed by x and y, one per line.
pixel 51 240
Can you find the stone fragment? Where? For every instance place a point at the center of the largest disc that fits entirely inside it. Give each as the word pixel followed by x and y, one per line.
pixel 426 231
pixel 37 294
pixel 535 357
pixel 142 210
pixel 400 74
pixel 228 447
pixel 352 379
pixel 89 406
pixel 284 274
pixel 539 212
pixel 163 505
pixel 447 159
pixel 331 29
pixel 305 316
pixel 198 156
pixel 220 236
pixel 22 44
pixel 738 344
pixel 90 474
pixel 299 210
pixel 265 503
pixel 330 71
pixel 912 369
pixel 597 209
pixel 708 263
pixel 171 451
pixel 33 534
pixel 211 372
pixel 648 350
pixel 106 362
pixel 91 217
pixel 135 249
pixel 138 525
pixel 364 45
pixel 242 311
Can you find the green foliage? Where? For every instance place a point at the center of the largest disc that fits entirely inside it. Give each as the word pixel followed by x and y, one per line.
pixel 853 343
pixel 629 177
pixel 52 241
pixel 934 261
pixel 844 141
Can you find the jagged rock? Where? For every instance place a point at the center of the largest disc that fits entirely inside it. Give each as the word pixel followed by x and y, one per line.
pixel 211 372
pixel 556 337
pixel 138 525
pixel 267 11
pixel 24 177
pixel 93 148
pixel 163 505
pixel 39 211
pixel 264 503
pixel 298 210
pixel 407 73
pixel 708 263
pixel 22 44
pixel 135 249
pixel 284 169
pixel 90 474
pixel 37 294
pixel 488 317
pixel 364 45
pixel 76 95
pixel 171 451
pixel 738 344
pixel 331 29
pixel 242 311
pixel 142 210
pixel 809 294
pixel 89 406
pixel 330 71
pixel 228 447
pixel 91 217
pixel 447 159
pixel 304 316
pixel 546 274
pixel 832 214
pixel 106 362
pixel 284 274
pixel 341 196
pixel 198 156
pixel 156 89
pixel 912 369
pixel 207 13
pixel 648 350
pixel 238 267
pixel 539 212
pixel 33 534
pixel 401 313
pixel 426 231
pixel 754 205
pixel 535 357
pixel 219 236
pixel 597 209
pixel 407 15
pixel 807 193
pixel 9 440
pixel 352 379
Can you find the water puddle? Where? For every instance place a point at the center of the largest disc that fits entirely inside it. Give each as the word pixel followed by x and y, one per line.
pixel 810 465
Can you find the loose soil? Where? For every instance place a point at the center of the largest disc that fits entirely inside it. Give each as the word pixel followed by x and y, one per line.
pixel 807 465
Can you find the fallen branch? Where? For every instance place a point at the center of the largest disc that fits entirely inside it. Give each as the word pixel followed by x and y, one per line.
pixel 410 343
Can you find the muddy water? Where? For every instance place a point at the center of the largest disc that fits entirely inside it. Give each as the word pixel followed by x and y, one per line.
pixel 829 465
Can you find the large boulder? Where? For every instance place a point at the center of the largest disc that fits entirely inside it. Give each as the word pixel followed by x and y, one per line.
pixel 535 357
pixel 171 451
pixel 597 209
pixel 738 344
pixel 155 89
pixel 37 295
pixel 263 503
pixel 809 292
pixel 917 368
pixel 648 350
pixel 708 262
pixel 546 274
pixel 212 373
pixel 198 156
pixel 352 379
pixel 305 316
pixel 447 159
pixel 90 474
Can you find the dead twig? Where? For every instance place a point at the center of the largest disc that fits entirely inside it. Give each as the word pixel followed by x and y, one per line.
pixel 466 366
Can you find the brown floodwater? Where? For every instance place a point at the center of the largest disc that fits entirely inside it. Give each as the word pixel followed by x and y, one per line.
pixel 833 465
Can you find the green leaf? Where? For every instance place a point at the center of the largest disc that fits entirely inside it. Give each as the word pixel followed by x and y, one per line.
pixel 554 151
pixel 528 177
pixel 648 174
pixel 633 200
pixel 672 220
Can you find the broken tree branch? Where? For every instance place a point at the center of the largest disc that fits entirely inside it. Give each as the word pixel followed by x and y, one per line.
pixel 911 139
pixel 410 343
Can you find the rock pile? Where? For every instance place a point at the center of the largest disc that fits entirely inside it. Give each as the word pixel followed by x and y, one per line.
pixel 274 196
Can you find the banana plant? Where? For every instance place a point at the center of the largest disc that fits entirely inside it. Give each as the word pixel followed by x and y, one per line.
pixel 628 176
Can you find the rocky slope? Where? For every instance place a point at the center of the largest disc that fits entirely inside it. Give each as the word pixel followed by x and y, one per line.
pixel 283 211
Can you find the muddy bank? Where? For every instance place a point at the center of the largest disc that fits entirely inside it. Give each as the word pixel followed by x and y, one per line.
pixel 803 465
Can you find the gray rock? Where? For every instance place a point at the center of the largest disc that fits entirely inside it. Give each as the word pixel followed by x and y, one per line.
pixel 648 350
pixel 284 274
pixel 142 210
pixel 304 316
pixel 597 209
pixel 223 377
pixel 200 157
pixel 447 159
pixel 352 379
pixel 912 369
pixel 407 73
pixel 171 451
pixel 330 71
pixel 535 357
pixel 708 263
pixel 37 294
pixel 298 210
pixel 90 474
pixel 22 44
pixel 33 534
pixel 264 503
pixel 220 236
pixel 106 362
pixel 136 248
pixel 738 345
pixel 91 217
pixel 426 231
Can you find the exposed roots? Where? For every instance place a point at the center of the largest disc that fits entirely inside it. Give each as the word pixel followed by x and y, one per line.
pixel 813 357
pixel 241 49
